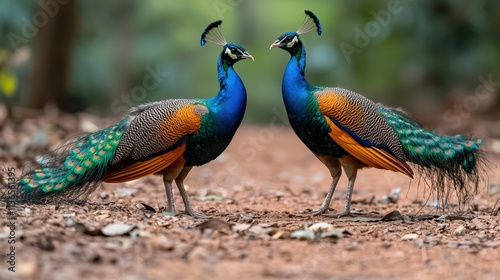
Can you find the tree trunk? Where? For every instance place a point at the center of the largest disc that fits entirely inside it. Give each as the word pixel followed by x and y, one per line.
pixel 51 60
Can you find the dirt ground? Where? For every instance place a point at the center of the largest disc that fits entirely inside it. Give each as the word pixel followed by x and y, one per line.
pixel 253 192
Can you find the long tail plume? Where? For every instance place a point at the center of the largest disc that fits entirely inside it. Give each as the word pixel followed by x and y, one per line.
pixel 71 172
pixel 448 163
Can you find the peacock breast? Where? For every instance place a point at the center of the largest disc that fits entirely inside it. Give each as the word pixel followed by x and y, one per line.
pixel 311 128
pixel 212 138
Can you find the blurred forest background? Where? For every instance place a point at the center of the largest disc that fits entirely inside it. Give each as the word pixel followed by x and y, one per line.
pixel 94 56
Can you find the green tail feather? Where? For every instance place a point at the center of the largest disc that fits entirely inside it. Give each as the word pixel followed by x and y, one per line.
pixel 448 161
pixel 74 170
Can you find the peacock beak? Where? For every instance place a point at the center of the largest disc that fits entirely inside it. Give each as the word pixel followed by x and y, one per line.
pixel 276 44
pixel 248 56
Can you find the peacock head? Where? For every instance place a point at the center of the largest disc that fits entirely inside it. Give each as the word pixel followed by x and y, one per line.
pixel 231 53
pixel 290 41
pixel 234 52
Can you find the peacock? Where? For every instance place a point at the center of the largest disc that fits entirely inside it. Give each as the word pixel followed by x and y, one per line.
pixel 346 130
pixel 164 138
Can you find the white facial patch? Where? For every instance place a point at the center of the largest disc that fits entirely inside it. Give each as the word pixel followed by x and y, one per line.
pixel 231 55
pixel 294 40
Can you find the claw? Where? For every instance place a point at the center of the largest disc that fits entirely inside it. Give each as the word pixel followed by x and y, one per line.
pixel 314 212
pixel 345 213
pixel 325 212
pixel 338 215
pixel 196 214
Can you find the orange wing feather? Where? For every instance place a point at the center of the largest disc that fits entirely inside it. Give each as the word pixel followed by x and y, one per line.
pixel 185 121
pixel 338 106
pixel 371 156
pixel 143 168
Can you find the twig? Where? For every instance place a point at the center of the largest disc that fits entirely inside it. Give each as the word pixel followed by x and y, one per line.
pixel 495 208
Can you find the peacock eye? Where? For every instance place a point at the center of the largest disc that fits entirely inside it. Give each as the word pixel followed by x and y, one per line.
pixel 230 53
pixel 291 41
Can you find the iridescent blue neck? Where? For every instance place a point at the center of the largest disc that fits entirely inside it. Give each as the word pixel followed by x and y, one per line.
pixel 295 88
pixel 230 103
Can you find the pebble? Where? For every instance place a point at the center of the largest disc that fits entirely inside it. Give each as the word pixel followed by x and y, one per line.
pixel 408 237
pixel 459 231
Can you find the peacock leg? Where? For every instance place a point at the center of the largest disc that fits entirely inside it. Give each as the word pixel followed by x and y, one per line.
pixel 334 167
pixel 180 185
pixel 168 177
pixel 170 195
pixel 351 171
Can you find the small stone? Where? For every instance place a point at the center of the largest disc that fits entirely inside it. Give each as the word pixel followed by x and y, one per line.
pixel 117 229
pixel 459 231
pixel 122 192
pixel 102 217
pixel 27 269
pixel 88 126
pixel 281 235
pixel 322 226
pixel 408 237
pixel 443 225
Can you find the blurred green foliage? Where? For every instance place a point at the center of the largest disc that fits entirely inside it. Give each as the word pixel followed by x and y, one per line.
pixel 420 51
pixel 8 81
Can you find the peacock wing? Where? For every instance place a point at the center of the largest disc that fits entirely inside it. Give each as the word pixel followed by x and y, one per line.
pixel 358 128
pixel 155 138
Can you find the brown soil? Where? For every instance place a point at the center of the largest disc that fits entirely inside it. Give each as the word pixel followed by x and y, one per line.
pixel 253 192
